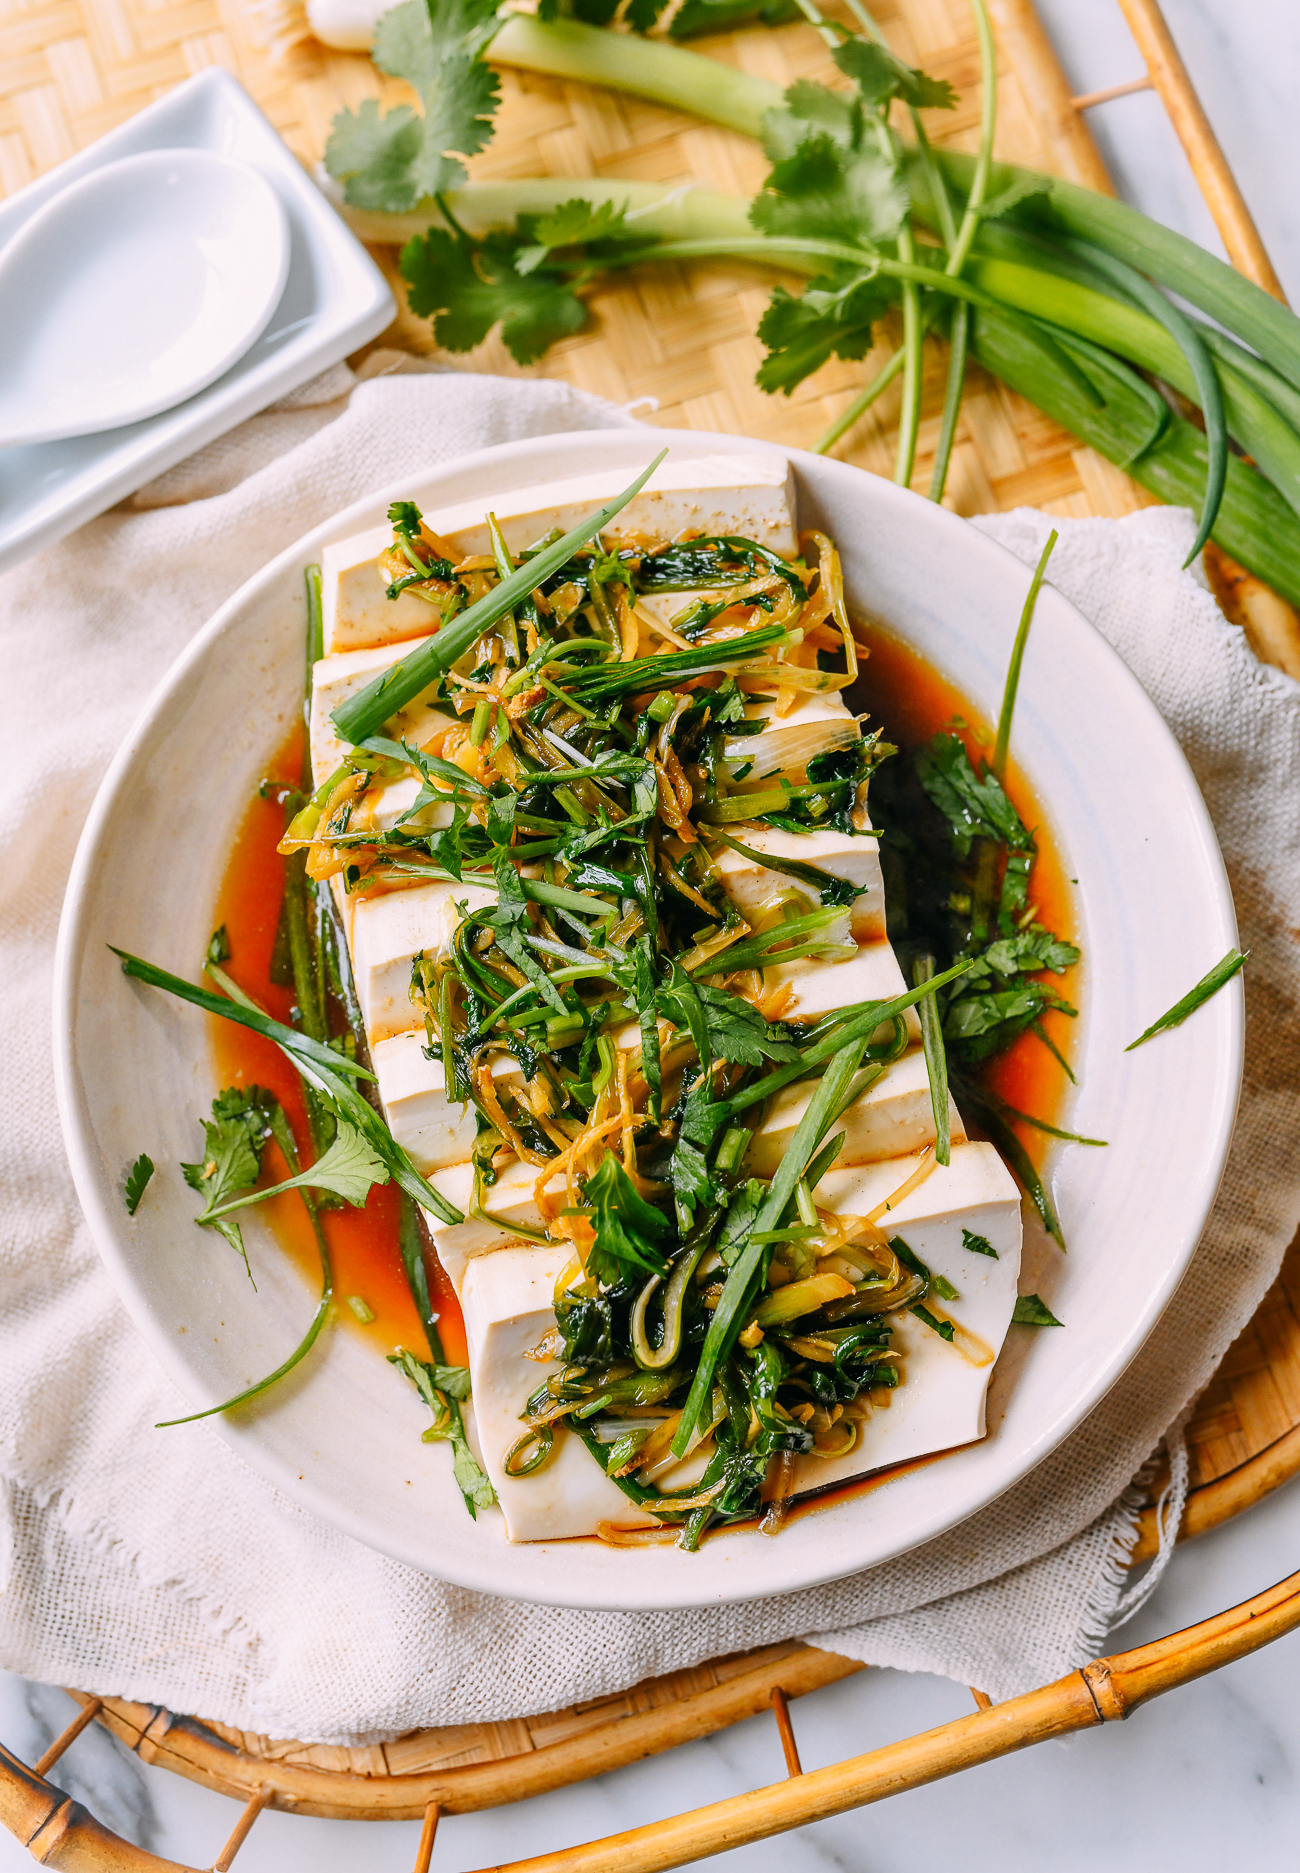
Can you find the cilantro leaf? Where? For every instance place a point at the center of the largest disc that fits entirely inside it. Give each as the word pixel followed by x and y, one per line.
pixel 235 1138
pixel 1031 1312
pixel 738 1032
pixel 405 518
pixel 983 1024
pixel 443 1388
pixel 572 224
pixel 392 160
pixel 975 807
pixel 977 1245
pixel 722 1025
pixel 833 190
pixel 349 1168
pixel 880 76
pixel 627 1227
pixel 738 1223
pixel 137 1181
pixel 834 316
pixel 467 287
pixel 235 1135
pixel 1027 951
pixel 689 1174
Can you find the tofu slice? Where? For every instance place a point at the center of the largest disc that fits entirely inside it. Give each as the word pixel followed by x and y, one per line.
pixel 813 724
pixel 387 933
pixel 509 1204
pixel 382 808
pixel 842 855
pixel 508 1300
pixel 940 1403
pixel 892 1118
pixel 432 1129
pixel 819 987
pixel 335 679
pixel 750 494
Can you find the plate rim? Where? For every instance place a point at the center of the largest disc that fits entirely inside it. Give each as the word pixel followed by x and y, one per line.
pixel 105 1223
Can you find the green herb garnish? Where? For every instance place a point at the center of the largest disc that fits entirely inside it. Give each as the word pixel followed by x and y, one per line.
pixel 1031 1312
pixel 137 1181
pixel 1195 998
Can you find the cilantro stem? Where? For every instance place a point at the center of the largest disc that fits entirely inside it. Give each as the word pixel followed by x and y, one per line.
pixel 909 420
pixel 979 180
pixel 954 386
pixel 298 1354
pixel 998 764
pixel 283 1138
pixel 862 402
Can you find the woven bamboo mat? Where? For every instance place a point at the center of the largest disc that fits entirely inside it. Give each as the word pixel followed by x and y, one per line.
pixel 72 69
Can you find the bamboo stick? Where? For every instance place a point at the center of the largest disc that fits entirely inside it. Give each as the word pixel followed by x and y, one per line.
pixel 471 1787
pixel 86 1715
pixel 1106 1691
pixel 1026 50
pixel 1110 92
pixel 424 1853
pixel 781 1710
pixel 243 1828
pixel 1217 183
pixel 58 1832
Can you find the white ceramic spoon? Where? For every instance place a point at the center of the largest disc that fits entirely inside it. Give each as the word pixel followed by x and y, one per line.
pixel 133 289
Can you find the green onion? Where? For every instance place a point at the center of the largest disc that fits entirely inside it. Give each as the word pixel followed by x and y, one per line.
pixel 367 711
pixel 1195 998
pixel 1001 745
pixel 728 1315
pixel 936 1060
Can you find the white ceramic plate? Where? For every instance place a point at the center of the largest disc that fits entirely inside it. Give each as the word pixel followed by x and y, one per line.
pixel 135 288
pixel 334 299
pixel 342 1434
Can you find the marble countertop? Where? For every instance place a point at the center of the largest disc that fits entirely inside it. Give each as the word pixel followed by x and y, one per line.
pixel 1204 1778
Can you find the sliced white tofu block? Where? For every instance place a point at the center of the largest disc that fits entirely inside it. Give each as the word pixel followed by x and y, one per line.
pixel 356 610
pixel 335 679
pixel 893 1117
pixel 750 494
pixel 387 934
pixel 818 987
pixel 812 724
pixel 510 1206
pixel 432 1129
pixel 382 807
pixel 841 855
pixel 508 1301
pixel 940 1403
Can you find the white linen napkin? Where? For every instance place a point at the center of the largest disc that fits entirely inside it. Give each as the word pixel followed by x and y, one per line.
pixel 156 1566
